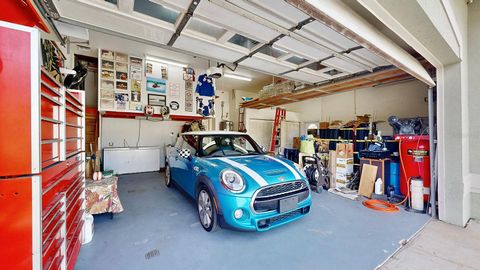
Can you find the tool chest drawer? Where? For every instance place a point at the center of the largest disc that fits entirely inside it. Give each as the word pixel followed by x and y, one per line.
pixel 54 232
pixel 57 170
pixel 73 130
pixel 50 151
pixel 73 99
pixel 73 145
pixel 73 250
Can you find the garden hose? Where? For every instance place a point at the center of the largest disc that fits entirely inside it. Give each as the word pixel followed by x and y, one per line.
pixel 380 205
pixel 386 206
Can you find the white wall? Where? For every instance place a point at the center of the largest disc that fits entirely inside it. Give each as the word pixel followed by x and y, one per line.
pixel 403 100
pixel 473 104
pixel 119 132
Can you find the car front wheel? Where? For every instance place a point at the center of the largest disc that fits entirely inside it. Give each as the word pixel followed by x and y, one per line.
pixel 168 176
pixel 206 210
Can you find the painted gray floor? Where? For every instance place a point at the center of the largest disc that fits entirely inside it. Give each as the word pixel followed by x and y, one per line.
pixel 337 234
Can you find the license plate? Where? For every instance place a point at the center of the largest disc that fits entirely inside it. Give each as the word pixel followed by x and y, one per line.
pixel 288 204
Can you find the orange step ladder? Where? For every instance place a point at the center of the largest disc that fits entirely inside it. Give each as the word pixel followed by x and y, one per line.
pixel 280 114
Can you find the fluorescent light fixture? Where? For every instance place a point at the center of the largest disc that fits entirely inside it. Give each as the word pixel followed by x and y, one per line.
pixel 165 61
pixel 238 77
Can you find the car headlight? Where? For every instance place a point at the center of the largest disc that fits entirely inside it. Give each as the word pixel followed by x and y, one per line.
pixel 232 181
pixel 300 169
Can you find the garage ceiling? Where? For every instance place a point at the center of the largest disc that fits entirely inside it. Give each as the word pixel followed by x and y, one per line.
pixel 270 36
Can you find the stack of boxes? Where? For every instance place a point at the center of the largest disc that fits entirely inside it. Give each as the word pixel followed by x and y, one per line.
pixel 344 164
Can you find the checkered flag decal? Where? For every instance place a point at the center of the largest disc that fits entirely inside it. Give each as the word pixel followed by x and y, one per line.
pixel 185 153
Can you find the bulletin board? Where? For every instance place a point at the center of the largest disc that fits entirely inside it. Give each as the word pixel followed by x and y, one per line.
pixel 128 83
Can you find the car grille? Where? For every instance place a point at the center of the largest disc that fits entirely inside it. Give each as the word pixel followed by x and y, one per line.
pixel 281 188
pixel 265 223
pixel 267 199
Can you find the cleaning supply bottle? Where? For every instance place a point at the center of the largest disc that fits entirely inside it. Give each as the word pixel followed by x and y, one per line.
pixel 378 186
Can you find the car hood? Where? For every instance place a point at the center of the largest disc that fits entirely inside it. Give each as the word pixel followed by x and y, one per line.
pixel 261 170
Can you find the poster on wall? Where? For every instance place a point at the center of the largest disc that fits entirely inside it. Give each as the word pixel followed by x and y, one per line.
pixel 188 96
pixel 107 104
pixel 106 64
pixel 157 100
pixel 136 61
pixel 106 54
pixel 174 90
pixel 121 57
pixel 135 72
pixel 123 67
pixel 156 85
pixel 121 86
pixel 104 84
pixel 107 94
pixel 136 106
pixel 107 74
pixel 149 68
pixel 121 101
pixel 164 71
pixel 188 74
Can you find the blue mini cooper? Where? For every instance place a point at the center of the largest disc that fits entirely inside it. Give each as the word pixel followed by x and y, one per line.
pixel 235 183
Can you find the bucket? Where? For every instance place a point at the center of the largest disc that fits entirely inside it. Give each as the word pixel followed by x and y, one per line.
pixel 416 190
pixel 87 230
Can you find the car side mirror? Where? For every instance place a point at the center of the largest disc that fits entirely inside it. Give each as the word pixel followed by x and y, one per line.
pixel 185 153
pixel 263 148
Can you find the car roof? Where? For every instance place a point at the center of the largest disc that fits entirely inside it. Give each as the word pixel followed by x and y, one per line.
pixel 214 132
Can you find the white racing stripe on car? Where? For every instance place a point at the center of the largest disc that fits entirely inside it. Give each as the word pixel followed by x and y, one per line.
pixel 247 170
pixel 292 170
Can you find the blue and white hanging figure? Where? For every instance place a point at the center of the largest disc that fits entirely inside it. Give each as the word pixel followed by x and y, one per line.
pixel 206 91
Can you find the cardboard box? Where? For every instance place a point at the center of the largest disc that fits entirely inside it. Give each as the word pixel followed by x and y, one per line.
pixel 344 150
pixel 332 166
pixel 296 143
pixel 342 179
pixel 343 164
pixel 323 125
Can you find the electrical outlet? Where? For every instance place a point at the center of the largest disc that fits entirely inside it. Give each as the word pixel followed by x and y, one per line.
pixel 110 143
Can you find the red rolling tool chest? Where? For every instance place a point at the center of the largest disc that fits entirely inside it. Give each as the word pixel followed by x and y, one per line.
pixel 41 158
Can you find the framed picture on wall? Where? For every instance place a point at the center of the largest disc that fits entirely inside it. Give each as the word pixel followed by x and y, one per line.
pixel 106 54
pixel 106 64
pixel 157 100
pixel 156 85
pixel 121 57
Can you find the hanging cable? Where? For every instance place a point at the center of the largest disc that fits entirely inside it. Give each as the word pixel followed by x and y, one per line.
pixel 139 128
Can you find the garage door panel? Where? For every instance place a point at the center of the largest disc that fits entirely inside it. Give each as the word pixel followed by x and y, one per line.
pixel 235 21
pixel 206 49
pixel 371 57
pixel 326 33
pixel 264 13
pixel 339 63
pixel 305 77
pixel 264 65
pixel 301 48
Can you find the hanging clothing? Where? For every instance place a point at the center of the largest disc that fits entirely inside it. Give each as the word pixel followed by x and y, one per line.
pixel 205 86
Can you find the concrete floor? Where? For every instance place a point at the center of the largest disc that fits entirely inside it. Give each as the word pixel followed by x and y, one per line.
pixel 159 229
pixel 440 246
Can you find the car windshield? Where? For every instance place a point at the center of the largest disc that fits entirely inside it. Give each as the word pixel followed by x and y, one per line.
pixel 228 145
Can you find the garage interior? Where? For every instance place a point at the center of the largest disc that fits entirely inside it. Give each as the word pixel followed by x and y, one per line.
pixel 354 97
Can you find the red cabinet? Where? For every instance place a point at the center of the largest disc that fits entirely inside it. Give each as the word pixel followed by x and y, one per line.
pixel 41 159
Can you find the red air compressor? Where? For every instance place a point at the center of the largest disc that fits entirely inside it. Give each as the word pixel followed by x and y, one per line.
pixel 415 161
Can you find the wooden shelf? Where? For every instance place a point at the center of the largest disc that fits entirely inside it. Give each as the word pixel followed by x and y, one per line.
pixel 364 80
pixel 132 115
